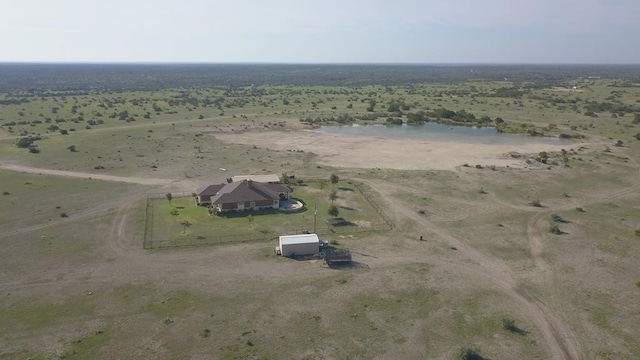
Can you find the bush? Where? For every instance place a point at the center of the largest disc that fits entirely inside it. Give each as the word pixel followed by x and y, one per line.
pixel 509 324
pixel 536 203
pixel 555 229
pixel 469 354
pixel 64 214
pixel 27 142
pixel 580 209
pixel 557 218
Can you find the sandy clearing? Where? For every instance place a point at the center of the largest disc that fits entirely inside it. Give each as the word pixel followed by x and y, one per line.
pixel 82 175
pixel 401 154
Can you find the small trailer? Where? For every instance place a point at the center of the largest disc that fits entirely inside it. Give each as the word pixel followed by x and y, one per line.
pixel 332 256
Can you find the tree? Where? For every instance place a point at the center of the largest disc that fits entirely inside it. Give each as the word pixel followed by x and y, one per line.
pixel 334 179
pixel 185 224
pixel 169 197
pixel 469 354
pixel 250 220
pixel 322 184
pixel 174 212
pixel 72 148
pixel 333 211
pixel 333 195
pixel 285 179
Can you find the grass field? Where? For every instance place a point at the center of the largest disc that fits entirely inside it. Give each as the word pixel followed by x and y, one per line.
pixel 165 229
pixel 76 283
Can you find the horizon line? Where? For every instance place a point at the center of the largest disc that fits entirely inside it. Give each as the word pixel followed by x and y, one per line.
pixel 313 63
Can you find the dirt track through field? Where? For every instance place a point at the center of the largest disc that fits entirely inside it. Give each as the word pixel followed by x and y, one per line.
pixel 558 337
pixel 83 175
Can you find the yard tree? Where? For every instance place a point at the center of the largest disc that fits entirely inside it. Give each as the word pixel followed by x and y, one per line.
pixel 333 195
pixel 185 224
pixel 334 179
pixel 333 211
pixel 285 178
pixel 174 212
pixel 323 183
pixel 250 220
pixel 169 197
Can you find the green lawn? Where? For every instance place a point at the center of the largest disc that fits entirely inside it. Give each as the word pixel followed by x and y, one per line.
pixel 167 229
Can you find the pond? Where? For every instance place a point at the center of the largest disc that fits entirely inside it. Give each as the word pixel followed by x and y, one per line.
pixel 442 132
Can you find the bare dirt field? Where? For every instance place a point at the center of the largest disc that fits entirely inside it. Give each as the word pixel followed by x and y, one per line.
pixel 402 154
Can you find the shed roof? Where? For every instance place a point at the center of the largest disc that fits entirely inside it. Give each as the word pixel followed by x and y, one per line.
pixel 268 178
pixel 299 239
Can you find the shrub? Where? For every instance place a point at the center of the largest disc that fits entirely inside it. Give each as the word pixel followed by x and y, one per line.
pixel 555 229
pixel 5 193
pixel 580 209
pixel 64 214
pixel 637 233
pixel 536 203
pixel 509 324
pixel 557 218
pixel 469 354
pixel 482 190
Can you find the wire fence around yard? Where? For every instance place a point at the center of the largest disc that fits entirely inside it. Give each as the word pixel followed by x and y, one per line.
pixel 154 239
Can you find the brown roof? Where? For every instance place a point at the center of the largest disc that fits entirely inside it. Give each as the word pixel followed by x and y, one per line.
pixel 210 190
pixel 248 190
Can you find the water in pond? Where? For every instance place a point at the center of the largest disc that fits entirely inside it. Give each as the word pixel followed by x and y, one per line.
pixel 441 132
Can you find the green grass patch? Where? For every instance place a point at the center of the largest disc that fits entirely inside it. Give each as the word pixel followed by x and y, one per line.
pixel 87 347
pixel 262 225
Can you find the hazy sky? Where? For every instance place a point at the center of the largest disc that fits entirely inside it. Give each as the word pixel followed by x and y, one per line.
pixel 327 31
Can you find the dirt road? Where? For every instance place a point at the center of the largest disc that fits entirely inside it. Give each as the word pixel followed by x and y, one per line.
pixel 82 175
pixel 496 274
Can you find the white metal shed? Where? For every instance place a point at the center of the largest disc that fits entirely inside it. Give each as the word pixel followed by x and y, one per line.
pixel 303 244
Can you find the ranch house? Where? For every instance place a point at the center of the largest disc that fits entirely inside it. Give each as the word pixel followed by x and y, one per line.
pixel 243 195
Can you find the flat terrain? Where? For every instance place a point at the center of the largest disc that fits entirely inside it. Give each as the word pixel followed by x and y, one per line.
pixel 367 152
pixel 533 257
